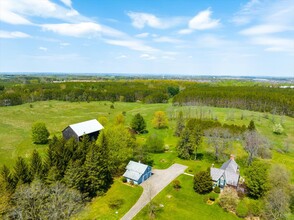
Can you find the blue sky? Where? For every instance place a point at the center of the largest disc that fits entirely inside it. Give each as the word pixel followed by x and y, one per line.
pixel 212 37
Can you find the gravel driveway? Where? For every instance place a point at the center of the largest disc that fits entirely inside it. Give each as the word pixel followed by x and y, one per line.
pixel 151 187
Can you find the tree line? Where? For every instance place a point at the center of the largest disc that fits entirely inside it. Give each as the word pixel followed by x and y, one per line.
pixel 127 91
pixel 255 98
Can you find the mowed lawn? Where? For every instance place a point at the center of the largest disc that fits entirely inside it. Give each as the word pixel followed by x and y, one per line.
pixel 99 207
pixel 184 204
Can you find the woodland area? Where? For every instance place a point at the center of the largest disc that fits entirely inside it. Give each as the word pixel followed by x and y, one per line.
pixel 255 98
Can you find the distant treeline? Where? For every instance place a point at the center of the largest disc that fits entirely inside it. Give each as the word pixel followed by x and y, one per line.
pixel 129 91
pixel 256 98
pixel 263 99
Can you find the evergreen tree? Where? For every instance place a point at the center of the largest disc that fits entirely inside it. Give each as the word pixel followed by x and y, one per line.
pixel 180 125
pixel 202 182
pixel 185 145
pixel 9 183
pixel 138 123
pixel 53 175
pixel 75 176
pixel 251 126
pixel 98 178
pixel 40 134
pixel 36 165
pixel 21 172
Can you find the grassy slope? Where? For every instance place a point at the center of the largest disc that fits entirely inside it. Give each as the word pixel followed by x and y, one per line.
pixel 16 122
pixel 99 209
pixel 185 204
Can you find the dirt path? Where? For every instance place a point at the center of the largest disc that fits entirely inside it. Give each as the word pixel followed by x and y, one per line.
pixel 151 187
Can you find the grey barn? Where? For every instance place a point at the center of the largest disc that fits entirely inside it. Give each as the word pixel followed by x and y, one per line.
pixel 90 128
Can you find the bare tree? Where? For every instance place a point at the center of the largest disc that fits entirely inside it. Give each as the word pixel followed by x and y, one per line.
pixel 256 145
pixel 219 139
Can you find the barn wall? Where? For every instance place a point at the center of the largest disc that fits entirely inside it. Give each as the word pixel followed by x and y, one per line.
pixel 69 133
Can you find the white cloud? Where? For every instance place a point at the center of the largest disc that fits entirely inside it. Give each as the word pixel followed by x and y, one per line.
pixel 167 40
pixel 146 56
pixel 202 21
pixel 247 12
pixel 19 11
pixel 132 44
pixel 43 49
pixel 64 44
pixel 140 20
pixel 265 29
pixel 121 57
pixel 74 30
pixel 14 34
pixel 67 2
pixel 142 35
pixel 275 43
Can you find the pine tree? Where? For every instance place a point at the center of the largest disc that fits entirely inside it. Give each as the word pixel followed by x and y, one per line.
pixel 9 183
pixel 75 176
pixel 180 125
pixel 202 182
pixel 138 123
pixel 21 171
pixel 251 126
pixel 185 145
pixel 98 178
pixel 36 165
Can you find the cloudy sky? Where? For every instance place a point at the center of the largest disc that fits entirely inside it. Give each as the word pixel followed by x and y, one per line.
pixel 199 37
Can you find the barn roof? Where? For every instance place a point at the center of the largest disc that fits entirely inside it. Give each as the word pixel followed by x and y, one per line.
pixel 134 170
pixel 86 127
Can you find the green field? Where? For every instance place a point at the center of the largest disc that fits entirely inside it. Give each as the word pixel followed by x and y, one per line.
pixel 184 204
pixel 16 122
pixel 99 207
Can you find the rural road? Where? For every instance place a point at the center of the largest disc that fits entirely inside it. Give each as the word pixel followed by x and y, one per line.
pixel 151 187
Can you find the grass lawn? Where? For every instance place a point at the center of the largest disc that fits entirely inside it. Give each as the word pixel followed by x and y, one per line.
pixel 99 209
pixel 185 204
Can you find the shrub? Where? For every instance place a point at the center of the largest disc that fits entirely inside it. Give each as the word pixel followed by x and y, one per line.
pixel 229 199
pixel 278 129
pixel 176 184
pixel 112 106
pixel 123 179
pixel 115 203
pixel 254 207
pixel 155 143
pixel 213 196
pixel 132 182
pixel 242 209
pixel 216 189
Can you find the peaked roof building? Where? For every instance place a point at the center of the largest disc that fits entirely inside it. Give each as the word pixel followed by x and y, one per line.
pixel 91 128
pixel 137 172
pixel 228 174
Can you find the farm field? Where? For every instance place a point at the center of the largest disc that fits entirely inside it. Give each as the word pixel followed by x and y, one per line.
pixel 16 122
pixel 15 136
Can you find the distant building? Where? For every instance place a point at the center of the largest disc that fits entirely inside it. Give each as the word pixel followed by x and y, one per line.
pixel 228 174
pixel 90 128
pixel 137 172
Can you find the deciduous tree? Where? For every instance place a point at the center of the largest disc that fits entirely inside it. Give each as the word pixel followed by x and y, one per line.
pixel 160 120
pixel 40 134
